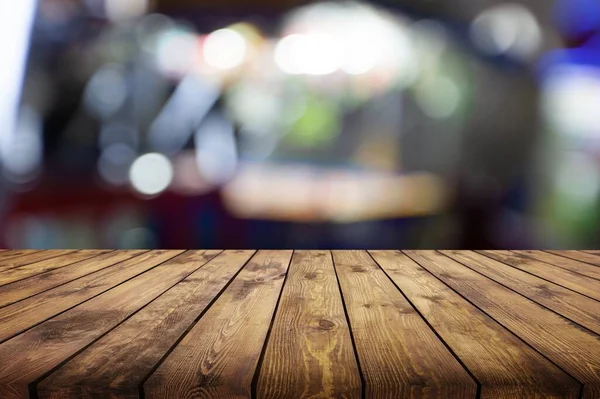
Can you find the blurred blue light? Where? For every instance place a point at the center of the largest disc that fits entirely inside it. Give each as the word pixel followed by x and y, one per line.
pixel 577 17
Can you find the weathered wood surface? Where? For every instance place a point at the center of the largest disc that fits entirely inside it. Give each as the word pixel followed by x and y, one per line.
pixel 299 324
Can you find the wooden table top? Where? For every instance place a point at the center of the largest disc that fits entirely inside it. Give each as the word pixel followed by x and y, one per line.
pixel 290 324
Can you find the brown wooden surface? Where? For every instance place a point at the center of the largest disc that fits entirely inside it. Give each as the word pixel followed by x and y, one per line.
pixel 397 350
pixel 579 256
pixel 13 259
pixel 574 349
pixel 567 278
pixel 505 366
pixel 309 352
pixel 565 263
pixel 207 362
pixel 294 324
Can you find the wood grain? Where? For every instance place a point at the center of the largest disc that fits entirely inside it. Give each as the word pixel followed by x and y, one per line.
pixel 24 271
pixel 186 324
pixel 562 262
pixel 55 340
pixel 33 310
pixel 504 365
pixel 12 253
pixel 588 258
pixel 20 258
pixel 30 286
pixel 571 305
pixel 575 350
pixel 567 278
pixel 116 365
pixel 400 356
pixel 309 352
pixel 593 252
pixel 218 357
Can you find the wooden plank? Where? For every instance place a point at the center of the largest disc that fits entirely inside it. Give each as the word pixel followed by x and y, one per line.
pixel 12 253
pixel 309 352
pixel 571 305
pixel 30 286
pixel 218 357
pixel 61 337
pixel 400 356
pixel 9 262
pixel 562 262
pixel 574 349
pixel 504 365
pixel 24 271
pixel 116 365
pixel 579 256
pixel 567 278
pixel 28 312
pixel 593 252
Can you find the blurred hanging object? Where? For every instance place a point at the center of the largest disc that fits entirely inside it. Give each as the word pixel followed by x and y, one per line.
pixel 216 149
pixel 190 103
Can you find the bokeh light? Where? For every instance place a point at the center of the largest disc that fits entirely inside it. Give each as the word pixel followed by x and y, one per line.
pixel 150 174
pixel 118 10
pixel 107 91
pixel 114 163
pixel 224 49
pixel 507 29
pixel 221 125
pixel 177 51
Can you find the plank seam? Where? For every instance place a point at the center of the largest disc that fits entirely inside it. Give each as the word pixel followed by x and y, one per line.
pixel 46 271
pixel 464 366
pixel 534 275
pixel 363 380
pixel 89 299
pixel 4 256
pixel 33 385
pixel 524 296
pixel 141 393
pixel 40 260
pixel 552 264
pixel 496 321
pixel 255 377
pixel 572 259
pixel 587 251
pixel 69 281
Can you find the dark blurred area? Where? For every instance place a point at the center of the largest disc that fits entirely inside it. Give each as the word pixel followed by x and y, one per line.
pixel 288 124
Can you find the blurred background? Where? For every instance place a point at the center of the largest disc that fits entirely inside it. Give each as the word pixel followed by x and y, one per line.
pixel 295 124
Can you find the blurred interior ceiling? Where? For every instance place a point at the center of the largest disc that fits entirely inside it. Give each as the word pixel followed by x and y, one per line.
pixel 460 9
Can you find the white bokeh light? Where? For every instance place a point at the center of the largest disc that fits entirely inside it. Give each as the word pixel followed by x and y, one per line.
pixel 151 173
pixel 118 10
pixel 362 54
pixel 507 29
pixel 177 51
pixel 309 54
pixel 16 18
pixel 287 57
pixel 571 101
pixel 224 49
